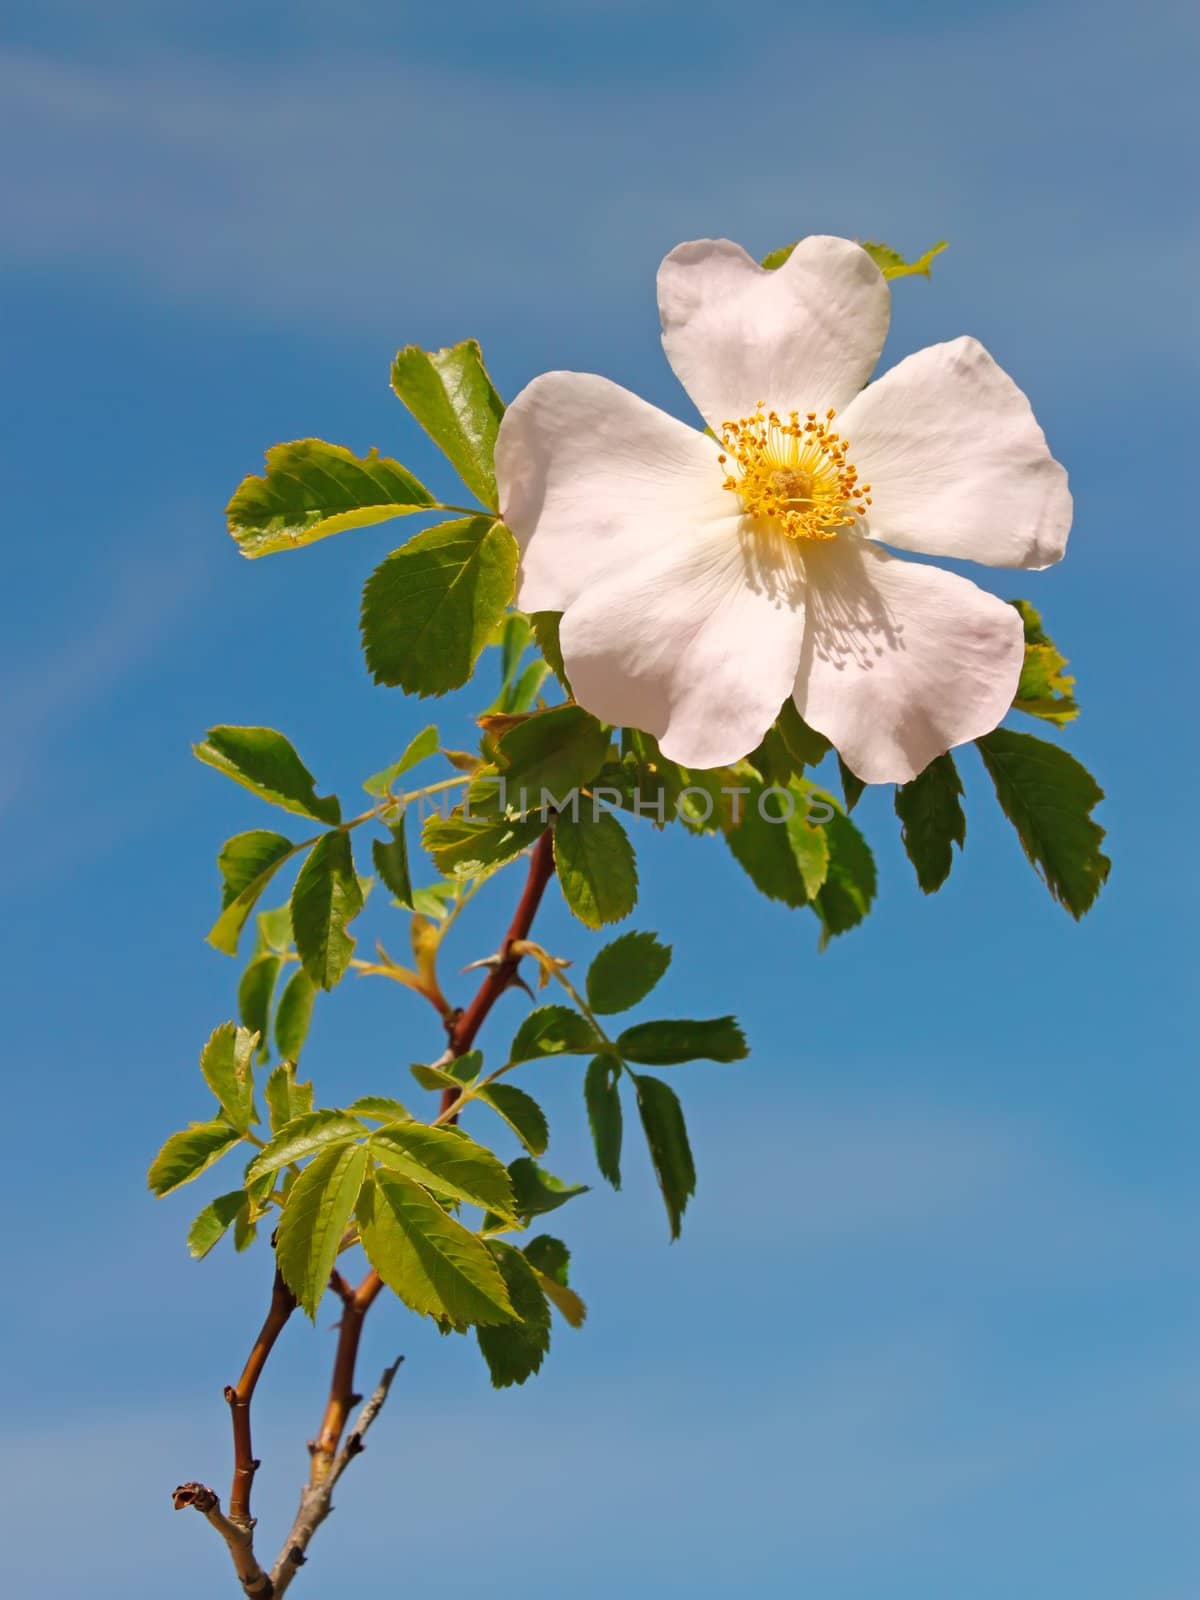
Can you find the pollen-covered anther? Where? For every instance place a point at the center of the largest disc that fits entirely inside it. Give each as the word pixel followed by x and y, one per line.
pixel 795 474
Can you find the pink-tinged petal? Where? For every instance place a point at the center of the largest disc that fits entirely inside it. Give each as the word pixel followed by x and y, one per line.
pixel 801 338
pixel 957 463
pixel 901 661
pixel 697 644
pixel 592 480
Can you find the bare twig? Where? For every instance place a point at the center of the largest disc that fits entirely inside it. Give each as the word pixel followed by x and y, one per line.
pixel 239 1539
pixel 316 1498
pixel 331 1457
pixel 237 1529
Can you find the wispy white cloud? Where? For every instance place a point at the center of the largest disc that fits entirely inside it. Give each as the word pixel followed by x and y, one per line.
pixel 373 194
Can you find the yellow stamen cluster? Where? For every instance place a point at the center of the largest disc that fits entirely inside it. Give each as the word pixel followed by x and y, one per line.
pixel 794 474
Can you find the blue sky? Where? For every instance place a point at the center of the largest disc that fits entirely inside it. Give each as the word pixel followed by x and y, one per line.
pixel 932 1328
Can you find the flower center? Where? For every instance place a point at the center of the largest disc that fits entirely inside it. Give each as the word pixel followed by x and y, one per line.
pixel 794 474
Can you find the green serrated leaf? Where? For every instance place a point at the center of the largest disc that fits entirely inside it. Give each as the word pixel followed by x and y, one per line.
pixel 545 632
pixel 522 1113
pixel 514 1351
pixel 596 867
pixel 379 1108
pixel 188 1153
pixel 294 1014
pixel 893 265
pixel 247 864
pixel 255 992
pixel 1045 689
pixel 852 785
pixel 327 896
pixel 624 972
pixel 447 1161
pixel 312 489
pixel 428 1258
pixel 849 887
pixel 785 856
pixel 286 1098
pixel 225 1064
pixel 519 695
pixel 213 1222
pixel 391 862
pixel 429 609
pixel 1048 797
pixel 263 761
pixel 603 1100
pixel 318 1210
pixel 420 748
pixel 552 753
pixel 302 1137
pixel 933 821
pixel 667 1043
pixel 450 394
pixel 805 745
pixel 538 1191
pixel 670 1152
pixel 552 1031
pixel 464 846
pixel 890 262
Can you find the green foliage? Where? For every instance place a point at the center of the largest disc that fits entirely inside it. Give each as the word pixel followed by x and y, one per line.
pixel 391 862
pixel 371 1172
pixel 294 1014
pixel 1048 797
pixel 263 761
pixel 514 1351
pixel 538 1191
pixel 319 1207
pixel 419 748
pixel 666 1137
pixel 305 1135
pixel 849 888
pixel 189 1153
pixel 551 753
pixel 552 1031
pixel 326 897
pixel 464 845
pixel 255 992
pixel 784 854
pixel 286 1098
pixel 603 1101
pixel 213 1223
pixel 431 606
pixel 625 971
pixel 852 785
pixel 312 489
pixel 545 633
pixel 446 1161
pixel 933 822
pixel 595 864
pixel 893 265
pixel 522 1113
pixel 426 1257
pixel 1045 689
pixel 665 1044
pixel 226 1067
pixel 451 396
pixel 378 1108
pixel 551 1260
pixel 890 262
pixel 247 863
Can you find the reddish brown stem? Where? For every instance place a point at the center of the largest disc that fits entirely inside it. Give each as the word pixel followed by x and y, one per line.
pixel 462 1037
pixel 239 1396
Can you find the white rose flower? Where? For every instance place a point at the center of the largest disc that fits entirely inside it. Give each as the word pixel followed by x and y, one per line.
pixel 702 580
